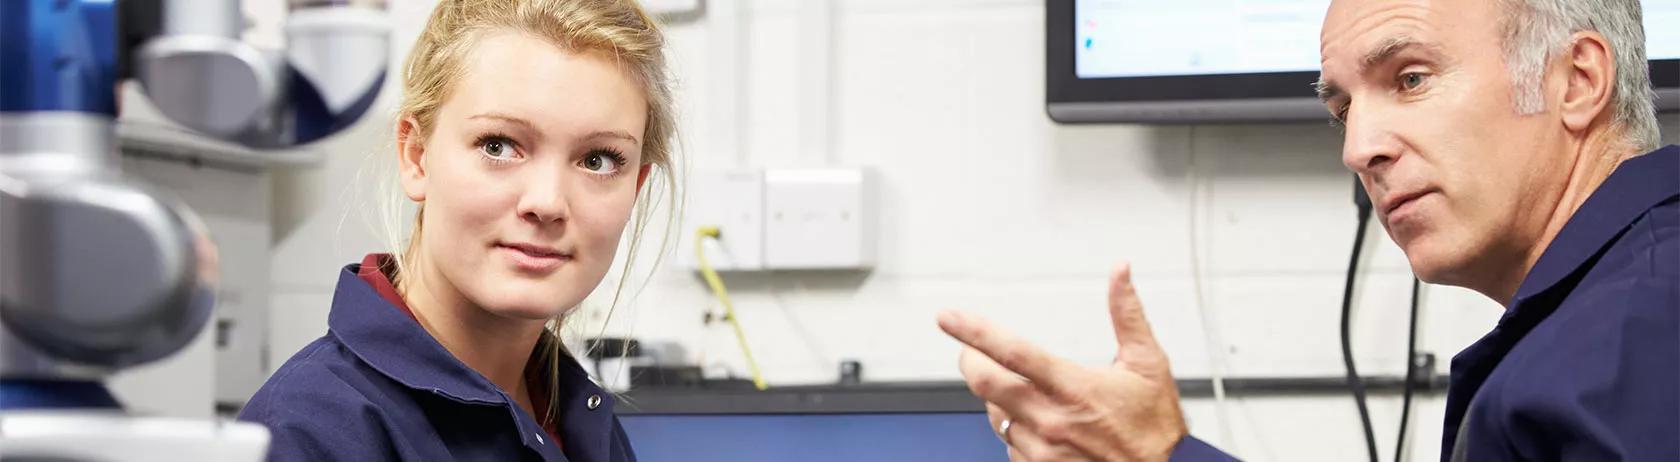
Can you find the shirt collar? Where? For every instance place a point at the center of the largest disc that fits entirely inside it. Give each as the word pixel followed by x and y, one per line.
pixel 1633 188
pixel 373 329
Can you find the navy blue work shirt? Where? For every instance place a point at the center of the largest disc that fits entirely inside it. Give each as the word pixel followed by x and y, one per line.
pixel 377 386
pixel 1585 363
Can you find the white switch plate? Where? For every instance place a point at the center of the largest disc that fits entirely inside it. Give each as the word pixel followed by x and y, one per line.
pixel 733 201
pixel 818 219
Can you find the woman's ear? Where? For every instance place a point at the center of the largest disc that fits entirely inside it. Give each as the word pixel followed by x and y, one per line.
pixel 411 156
pixel 641 175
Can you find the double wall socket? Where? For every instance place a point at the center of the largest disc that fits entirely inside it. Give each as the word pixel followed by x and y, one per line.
pixel 782 219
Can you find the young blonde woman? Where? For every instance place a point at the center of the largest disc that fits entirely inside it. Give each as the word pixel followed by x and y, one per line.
pixel 528 133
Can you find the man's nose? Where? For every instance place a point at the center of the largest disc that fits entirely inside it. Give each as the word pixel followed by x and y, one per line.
pixel 1369 144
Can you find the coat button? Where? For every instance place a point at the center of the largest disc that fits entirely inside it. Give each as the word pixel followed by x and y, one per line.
pixel 593 402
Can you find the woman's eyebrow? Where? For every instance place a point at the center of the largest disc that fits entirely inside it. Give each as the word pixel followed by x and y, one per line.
pixel 527 125
pixel 612 134
pixel 506 118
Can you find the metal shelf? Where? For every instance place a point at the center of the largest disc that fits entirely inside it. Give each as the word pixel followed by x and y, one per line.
pixel 148 139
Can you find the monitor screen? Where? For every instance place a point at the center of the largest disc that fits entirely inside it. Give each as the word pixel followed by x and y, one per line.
pixel 1123 38
pixel 1226 60
pixel 815 437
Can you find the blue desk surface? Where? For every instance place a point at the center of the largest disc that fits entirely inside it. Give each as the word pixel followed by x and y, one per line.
pixel 963 437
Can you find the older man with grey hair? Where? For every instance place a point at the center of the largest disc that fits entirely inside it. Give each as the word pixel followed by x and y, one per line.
pixel 1527 171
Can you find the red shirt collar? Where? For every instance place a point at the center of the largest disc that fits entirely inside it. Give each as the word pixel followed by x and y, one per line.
pixel 376 269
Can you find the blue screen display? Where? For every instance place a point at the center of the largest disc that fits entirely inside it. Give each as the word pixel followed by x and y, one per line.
pixel 965 437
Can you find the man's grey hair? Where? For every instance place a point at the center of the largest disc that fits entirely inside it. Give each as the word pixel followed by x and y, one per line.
pixel 1536 30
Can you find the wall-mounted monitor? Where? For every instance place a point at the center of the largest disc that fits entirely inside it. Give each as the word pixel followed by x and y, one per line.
pixel 1184 61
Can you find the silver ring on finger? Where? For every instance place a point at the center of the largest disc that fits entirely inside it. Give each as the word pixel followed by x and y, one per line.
pixel 1003 431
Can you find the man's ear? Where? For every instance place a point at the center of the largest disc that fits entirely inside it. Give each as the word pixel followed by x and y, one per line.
pixel 1590 67
pixel 411 156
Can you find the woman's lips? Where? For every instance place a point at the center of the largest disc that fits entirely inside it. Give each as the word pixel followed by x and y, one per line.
pixel 531 257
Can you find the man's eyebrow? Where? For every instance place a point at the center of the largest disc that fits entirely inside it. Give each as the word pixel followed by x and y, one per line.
pixel 1326 91
pixel 1391 47
pixel 1384 51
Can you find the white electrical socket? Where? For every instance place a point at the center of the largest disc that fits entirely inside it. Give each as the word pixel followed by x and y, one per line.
pixel 818 219
pixel 781 219
pixel 732 201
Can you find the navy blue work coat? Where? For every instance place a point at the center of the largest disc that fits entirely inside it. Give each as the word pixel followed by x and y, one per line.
pixel 377 386
pixel 1585 363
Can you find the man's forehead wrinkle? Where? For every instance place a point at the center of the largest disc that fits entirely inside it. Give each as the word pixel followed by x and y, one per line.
pixel 1403 17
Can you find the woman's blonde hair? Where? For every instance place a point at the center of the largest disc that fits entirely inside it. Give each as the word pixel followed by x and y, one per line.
pixel 617 28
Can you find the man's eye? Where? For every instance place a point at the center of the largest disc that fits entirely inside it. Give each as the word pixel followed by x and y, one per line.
pixel 1338 115
pixel 1411 80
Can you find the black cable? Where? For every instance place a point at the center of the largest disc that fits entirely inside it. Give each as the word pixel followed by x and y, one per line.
pixel 1411 378
pixel 1363 203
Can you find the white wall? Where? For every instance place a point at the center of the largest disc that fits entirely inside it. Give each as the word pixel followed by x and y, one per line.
pixel 987 206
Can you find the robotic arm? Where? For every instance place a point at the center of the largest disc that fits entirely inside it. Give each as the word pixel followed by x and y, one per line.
pixel 99 272
pixel 198 72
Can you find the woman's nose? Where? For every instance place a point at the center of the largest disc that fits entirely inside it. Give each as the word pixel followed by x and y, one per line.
pixel 543 199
